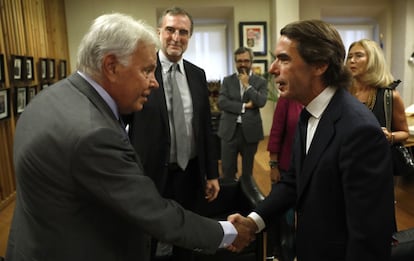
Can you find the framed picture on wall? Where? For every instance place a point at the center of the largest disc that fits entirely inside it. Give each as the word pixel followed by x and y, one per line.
pixel 62 69
pixel 4 104
pixel 259 67
pixel 2 76
pixel 20 99
pixel 31 92
pixel 17 67
pixel 253 35
pixel 29 68
pixel 51 68
pixel 44 85
pixel 43 68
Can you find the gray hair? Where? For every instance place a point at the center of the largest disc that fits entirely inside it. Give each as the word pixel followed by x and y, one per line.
pixel 116 34
pixel 175 11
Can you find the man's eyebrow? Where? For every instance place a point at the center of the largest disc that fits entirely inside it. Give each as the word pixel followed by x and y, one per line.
pixel 282 55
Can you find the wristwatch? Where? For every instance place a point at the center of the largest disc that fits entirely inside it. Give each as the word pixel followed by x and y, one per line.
pixel 273 164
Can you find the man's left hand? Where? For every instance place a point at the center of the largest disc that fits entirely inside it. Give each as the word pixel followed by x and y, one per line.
pixel 212 189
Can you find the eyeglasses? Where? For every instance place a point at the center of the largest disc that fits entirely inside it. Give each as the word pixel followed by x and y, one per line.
pixel 243 61
pixel 181 32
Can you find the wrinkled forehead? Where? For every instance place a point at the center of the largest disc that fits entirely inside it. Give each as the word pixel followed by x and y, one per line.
pixel 178 21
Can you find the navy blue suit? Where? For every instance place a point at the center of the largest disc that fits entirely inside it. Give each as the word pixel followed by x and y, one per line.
pixel 344 193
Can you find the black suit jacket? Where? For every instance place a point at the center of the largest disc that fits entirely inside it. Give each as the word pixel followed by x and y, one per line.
pixel 81 189
pixel 344 193
pixel 150 134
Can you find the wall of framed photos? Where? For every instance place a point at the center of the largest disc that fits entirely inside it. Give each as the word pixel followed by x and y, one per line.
pixel 33 55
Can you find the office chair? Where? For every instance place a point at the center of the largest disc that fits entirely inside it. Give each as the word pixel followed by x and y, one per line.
pixel 404 249
pixel 239 196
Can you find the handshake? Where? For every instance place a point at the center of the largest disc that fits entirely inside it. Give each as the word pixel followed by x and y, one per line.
pixel 246 232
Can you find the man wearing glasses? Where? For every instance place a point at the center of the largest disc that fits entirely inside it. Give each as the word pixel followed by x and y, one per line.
pixel 242 94
pixel 172 134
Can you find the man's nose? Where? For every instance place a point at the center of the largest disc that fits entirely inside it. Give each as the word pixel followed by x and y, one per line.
pixel 154 83
pixel 274 68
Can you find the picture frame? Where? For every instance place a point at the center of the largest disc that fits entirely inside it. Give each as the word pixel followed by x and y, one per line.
pixel 20 99
pixel 4 104
pixel 29 72
pixel 254 36
pixel 259 67
pixel 62 69
pixel 44 85
pixel 43 65
pixel 51 68
pixel 17 71
pixel 31 92
pixel 2 75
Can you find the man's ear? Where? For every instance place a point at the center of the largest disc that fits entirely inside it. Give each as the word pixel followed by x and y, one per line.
pixel 109 66
pixel 320 69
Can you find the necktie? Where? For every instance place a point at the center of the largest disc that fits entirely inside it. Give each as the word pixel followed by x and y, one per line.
pixel 303 127
pixel 181 139
pixel 123 127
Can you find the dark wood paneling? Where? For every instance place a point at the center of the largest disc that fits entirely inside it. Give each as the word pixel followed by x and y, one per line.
pixel 35 28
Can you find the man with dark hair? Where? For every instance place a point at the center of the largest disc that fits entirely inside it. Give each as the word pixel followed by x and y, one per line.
pixel 242 94
pixel 340 180
pixel 173 133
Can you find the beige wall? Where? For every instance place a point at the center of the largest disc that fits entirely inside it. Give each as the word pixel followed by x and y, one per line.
pixel 395 19
pixel 80 13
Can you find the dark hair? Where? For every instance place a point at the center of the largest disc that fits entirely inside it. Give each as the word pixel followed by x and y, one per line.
pixel 176 11
pixel 319 43
pixel 243 49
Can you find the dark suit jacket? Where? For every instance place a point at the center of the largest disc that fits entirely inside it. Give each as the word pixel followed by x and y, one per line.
pixel 344 195
pixel 81 189
pixel 230 103
pixel 150 131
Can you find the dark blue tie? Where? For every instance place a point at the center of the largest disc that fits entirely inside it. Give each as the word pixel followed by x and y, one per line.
pixel 303 127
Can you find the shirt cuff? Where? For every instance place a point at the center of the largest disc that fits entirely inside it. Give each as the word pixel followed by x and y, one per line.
pixel 230 233
pixel 258 220
pixel 243 110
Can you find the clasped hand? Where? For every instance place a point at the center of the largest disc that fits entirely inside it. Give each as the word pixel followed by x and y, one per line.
pixel 246 232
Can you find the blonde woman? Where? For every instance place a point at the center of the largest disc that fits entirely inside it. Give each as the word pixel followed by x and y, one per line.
pixel 371 76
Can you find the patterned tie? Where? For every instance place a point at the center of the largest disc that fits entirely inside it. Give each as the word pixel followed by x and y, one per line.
pixel 182 142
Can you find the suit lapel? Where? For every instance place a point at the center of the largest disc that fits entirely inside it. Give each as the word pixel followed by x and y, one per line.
pixel 84 87
pixel 158 95
pixel 236 91
pixel 321 140
pixel 194 78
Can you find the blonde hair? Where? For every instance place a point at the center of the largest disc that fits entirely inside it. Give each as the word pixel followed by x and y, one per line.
pixel 377 72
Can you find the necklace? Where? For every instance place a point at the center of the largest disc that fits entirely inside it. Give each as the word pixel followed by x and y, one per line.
pixel 371 97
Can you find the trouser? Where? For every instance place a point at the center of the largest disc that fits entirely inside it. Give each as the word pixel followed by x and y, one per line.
pixel 230 151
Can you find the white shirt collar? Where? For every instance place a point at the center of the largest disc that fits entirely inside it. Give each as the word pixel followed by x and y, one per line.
pixel 166 64
pixel 102 92
pixel 318 105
